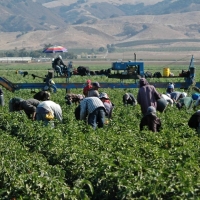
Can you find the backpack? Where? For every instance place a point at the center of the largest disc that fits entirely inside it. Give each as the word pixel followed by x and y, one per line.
pixel 148 74
pixel 157 75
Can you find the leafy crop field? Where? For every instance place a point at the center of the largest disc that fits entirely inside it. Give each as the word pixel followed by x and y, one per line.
pixel 72 161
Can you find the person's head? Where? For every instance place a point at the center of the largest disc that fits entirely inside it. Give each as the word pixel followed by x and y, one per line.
pixel 46 96
pixel 151 110
pixel 171 86
pixel 60 57
pixel 143 82
pixel 88 82
pixel 96 85
pixel 103 96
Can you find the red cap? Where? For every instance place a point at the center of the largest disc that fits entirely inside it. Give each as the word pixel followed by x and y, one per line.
pixel 88 81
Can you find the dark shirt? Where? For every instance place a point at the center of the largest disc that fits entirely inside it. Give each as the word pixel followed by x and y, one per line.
pixel 29 106
pixel 152 122
pixel 194 120
pixel 58 62
pixel 131 100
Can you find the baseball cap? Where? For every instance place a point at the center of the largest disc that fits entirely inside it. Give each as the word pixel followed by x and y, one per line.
pixel 88 81
pixel 103 95
pixel 151 109
pixel 96 84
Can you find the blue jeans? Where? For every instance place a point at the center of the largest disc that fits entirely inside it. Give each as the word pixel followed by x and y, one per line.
pixel 53 86
pixel 97 118
pixel 59 69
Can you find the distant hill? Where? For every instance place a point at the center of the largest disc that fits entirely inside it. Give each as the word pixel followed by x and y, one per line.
pixel 31 24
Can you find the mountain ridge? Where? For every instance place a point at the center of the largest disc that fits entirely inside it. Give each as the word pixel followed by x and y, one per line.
pixel 31 25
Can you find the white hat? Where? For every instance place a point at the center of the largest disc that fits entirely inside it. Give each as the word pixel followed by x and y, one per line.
pixel 103 95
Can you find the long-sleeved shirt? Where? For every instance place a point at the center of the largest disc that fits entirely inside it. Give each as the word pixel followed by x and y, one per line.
pixel 131 100
pixel 93 93
pixel 147 96
pixel 29 106
pixel 152 122
pixel 88 105
pixel 175 95
pixel 50 106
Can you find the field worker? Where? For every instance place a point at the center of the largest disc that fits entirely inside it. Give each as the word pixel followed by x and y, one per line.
pixel 48 110
pixel 186 102
pixel 1 98
pixel 167 97
pixel 128 98
pixel 175 96
pixel 147 95
pixel 150 120
pixel 93 92
pixel 170 88
pixel 109 106
pixel 13 102
pixel 41 95
pixel 93 109
pixel 87 87
pixel 29 107
pixel 59 65
pixel 194 121
pixel 49 84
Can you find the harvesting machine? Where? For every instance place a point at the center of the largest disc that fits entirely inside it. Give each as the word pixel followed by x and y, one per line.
pixel 122 70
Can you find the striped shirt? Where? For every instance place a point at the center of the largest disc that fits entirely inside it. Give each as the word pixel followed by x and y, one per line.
pixel 88 105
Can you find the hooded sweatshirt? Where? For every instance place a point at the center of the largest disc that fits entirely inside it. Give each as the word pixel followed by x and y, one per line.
pixel 147 95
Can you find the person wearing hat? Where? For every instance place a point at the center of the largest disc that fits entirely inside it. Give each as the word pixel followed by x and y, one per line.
pixel 147 95
pixel 87 87
pixel 170 88
pixel 48 110
pixel 93 92
pixel 150 120
pixel 28 106
pixel 49 84
pixel 92 109
pixel 128 98
pixel 58 65
pixel 107 103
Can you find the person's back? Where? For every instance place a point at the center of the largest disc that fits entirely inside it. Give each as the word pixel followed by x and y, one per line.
pixel 50 106
pixel 150 120
pixel 128 98
pixel 147 95
pixel 93 92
